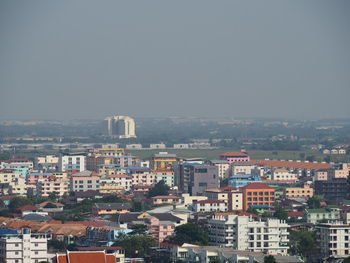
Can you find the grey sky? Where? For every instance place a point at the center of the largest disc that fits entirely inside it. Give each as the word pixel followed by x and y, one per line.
pixel 90 59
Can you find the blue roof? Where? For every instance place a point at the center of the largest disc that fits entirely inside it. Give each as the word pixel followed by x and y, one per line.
pixel 137 167
pixel 40 173
pixel 7 232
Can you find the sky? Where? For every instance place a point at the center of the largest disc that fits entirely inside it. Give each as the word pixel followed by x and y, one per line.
pixel 242 59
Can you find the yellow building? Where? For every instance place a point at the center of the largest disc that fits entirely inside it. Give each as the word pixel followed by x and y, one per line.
pixel 163 160
pixel 298 192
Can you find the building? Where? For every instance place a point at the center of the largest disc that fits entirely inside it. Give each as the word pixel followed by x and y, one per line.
pixel 233 157
pixel 163 160
pixel 166 175
pixel 122 127
pixel 165 199
pixel 206 206
pixel 86 256
pixel 244 233
pixel 223 168
pixel 258 195
pixel 240 180
pixel 321 175
pixel 333 188
pixel 110 208
pixel 85 183
pixel 25 247
pixel 157 146
pixel 245 167
pixel 231 195
pixel 188 199
pixel 72 163
pixel 283 175
pixel 339 171
pixel 141 176
pixel 52 185
pixel 298 193
pixel 315 216
pixel 115 183
pixel 334 239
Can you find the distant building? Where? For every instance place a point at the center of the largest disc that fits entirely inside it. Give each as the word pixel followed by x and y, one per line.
pixel 181 146
pixel 223 168
pixel 314 216
pixel 72 163
pixel 258 195
pixel 298 193
pixel 233 157
pixel 333 188
pixel 240 180
pixel 163 160
pixel 122 127
pixel 157 146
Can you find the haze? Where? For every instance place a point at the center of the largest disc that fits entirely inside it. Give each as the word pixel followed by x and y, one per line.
pixel 91 59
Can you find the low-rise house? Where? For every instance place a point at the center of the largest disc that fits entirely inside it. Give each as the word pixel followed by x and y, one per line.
pixel 118 252
pixel 207 206
pixel 50 207
pixel 110 208
pixel 188 199
pixel 295 215
pixel 165 199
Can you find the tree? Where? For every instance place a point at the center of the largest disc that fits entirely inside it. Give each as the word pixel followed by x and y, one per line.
pixel 302 242
pixel 159 189
pixel 191 233
pixel 53 196
pixel 19 201
pixel 346 260
pixel 314 202
pixel 310 158
pixel 139 229
pixel 280 213
pixel 269 259
pixel 136 245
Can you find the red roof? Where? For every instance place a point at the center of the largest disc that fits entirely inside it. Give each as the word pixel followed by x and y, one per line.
pixel 228 188
pixel 88 223
pixel 295 213
pixel 86 256
pixel 257 186
pixel 17 160
pixel 209 202
pixel 27 208
pixel 234 154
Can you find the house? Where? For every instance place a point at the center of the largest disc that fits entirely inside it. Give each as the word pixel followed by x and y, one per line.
pixel 85 256
pixel 296 215
pixel 110 208
pixel 50 207
pixel 165 199
pixel 314 216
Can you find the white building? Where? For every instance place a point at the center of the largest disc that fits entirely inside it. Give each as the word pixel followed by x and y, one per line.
pixel 55 185
pixel 72 163
pixel 283 175
pixel 223 167
pixel 242 168
pixel 121 180
pixel 121 126
pixel 26 247
pixel 334 239
pixel 206 206
pixel 245 233
pixel 181 146
pixel 157 146
pixel 134 146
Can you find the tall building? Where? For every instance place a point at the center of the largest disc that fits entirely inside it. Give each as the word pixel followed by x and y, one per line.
pixel 122 127
pixel 26 247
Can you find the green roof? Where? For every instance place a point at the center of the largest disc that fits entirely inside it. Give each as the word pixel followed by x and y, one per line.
pixel 318 210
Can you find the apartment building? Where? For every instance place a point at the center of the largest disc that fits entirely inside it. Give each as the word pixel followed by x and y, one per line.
pixel 141 176
pixel 85 183
pixel 206 206
pixel 165 199
pixel 8 175
pixel 230 195
pixel 233 157
pixel 333 188
pixel 242 167
pixel 72 163
pixel 258 195
pixel 223 168
pixel 315 216
pixel 334 239
pixel 283 175
pixel 245 233
pixel 52 185
pixel 298 193
pixel 25 247
pixel 166 175
pixel 122 180
pixel 163 160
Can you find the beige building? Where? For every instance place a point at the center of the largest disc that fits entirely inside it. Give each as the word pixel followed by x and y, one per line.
pixel 283 175
pixel 242 168
pixel 297 193
pixel 321 175
pixel 52 185
pixel 223 168
pixel 339 171
pixel 230 195
pixel 18 186
pixel 188 199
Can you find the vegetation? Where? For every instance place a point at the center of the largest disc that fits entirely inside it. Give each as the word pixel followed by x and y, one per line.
pixel 191 233
pixel 302 242
pixel 159 189
pixel 280 213
pixel 19 201
pixel 136 245
pixel 269 259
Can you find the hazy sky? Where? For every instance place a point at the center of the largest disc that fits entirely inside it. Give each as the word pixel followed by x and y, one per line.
pixel 91 59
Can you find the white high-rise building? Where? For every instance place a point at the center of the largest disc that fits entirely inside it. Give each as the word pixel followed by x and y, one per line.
pixel 26 247
pixel 72 163
pixel 245 233
pixel 121 126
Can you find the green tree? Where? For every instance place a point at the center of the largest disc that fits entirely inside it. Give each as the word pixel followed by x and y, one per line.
pixel 314 202
pixel 159 189
pixel 136 245
pixel 346 260
pixel 53 196
pixel 269 259
pixel 280 213
pixel 301 242
pixel 191 233
pixel 139 229
pixel 19 201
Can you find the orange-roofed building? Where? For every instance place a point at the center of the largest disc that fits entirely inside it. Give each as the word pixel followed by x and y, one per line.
pixel 85 257
pixel 258 195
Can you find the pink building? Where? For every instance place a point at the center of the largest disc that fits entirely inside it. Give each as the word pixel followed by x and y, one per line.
pixel 160 230
pixel 232 157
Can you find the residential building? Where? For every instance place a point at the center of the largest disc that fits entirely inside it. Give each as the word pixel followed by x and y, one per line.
pixel 245 167
pixel 247 234
pixel 298 193
pixel 72 163
pixel 110 208
pixel 333 239
pixel 122 127
pixel 18 186
pixel 166 175
pixel 345 214
pixel 240 180
pixel 314 216
pixel 333 188
pixel 157 146
pixel 223 168
pixel 181 146
pixel 133 146
pixel 141 176
pixel 231 195
pixel 233 157
pixel 33 177
pixel 188 199
pixel 339 171
pixel 8 175
pixel 321 175
pixel 52 185
pixel 283 175
pixel 165 199
pixel 84 183
pixel 85 256
pixel 258 195
pixel 115 182
pixel 16 163
pixel 206 206
pixel 163 160
pixel 25 247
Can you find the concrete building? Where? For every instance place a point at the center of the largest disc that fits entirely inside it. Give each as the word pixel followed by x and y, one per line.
pixel 333 188
pixel 245 167
pixel 166 175
pixel 188 199
pixel 283 175
pixel 141 176
pixel 233 157
pixel 52 185
pixel 163 160
pixel 240 180
pixel 298 193
pixel 165 199
pixel 230 195
pixel 223 168
pixel 25 247
pixel 157 146
pixel 72 163
pixel 315 216
pixel 334 239
pixel 258 195
pixel 85 183
pixel 122 127
pixel 115 183
pixel 247 234
pixel 206 206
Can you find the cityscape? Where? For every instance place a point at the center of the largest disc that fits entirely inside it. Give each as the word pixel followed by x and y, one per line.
pixel 174 131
